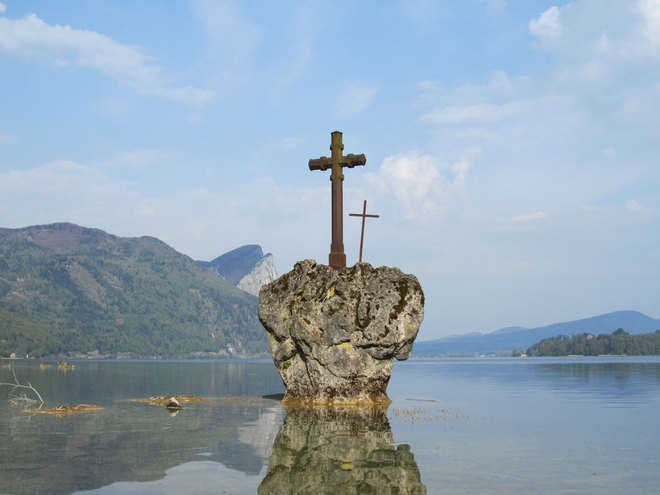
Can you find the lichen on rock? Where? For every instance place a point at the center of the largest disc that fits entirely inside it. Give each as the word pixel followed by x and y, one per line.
pixel 334 333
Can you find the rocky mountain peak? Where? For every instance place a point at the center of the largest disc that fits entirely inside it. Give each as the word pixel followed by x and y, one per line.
pixel 245 267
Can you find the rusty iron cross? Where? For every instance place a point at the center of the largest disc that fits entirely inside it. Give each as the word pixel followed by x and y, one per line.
pixel 364 216
pixel 337 162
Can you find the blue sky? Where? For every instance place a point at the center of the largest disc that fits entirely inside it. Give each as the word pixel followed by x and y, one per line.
pixel 513 147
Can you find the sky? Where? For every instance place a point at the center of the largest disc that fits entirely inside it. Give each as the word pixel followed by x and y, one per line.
pixel 513 147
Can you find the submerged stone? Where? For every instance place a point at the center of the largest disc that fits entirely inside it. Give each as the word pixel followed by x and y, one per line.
pixel 334 332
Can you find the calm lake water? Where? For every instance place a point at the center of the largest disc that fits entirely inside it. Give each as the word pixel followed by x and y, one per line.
pixel 525 425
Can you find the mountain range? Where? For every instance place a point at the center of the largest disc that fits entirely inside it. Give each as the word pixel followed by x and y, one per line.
pixel 511 338
pixel 71 291
pixel 245 267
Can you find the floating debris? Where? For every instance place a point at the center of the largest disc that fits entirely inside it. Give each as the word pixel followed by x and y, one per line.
pixel 166 399
pixel 64 366
pixel 421 415
pixel 68 410
pixel 173 404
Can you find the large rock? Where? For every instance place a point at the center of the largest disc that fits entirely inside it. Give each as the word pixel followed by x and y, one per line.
pixel 334 332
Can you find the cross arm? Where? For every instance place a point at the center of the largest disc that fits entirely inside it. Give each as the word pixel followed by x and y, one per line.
pixel 350 161
pixel 323 163
pixel 363 215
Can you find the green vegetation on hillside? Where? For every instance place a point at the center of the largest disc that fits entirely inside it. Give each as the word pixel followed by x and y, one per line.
pixel 69 290
pixel 619 342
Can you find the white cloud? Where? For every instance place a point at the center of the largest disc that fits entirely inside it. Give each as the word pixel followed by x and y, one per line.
pixel 3 7
pixel 355 98
pixel 635 206
pixel 64 45
pixel 641 107
pixel 479 113
pixel 135 159
pixel 419 183
pixel 62 191
pixel 189 94
pixel 499 87
pixel 530 217
pixel 650 11
pixel 548 26
pixel 202 222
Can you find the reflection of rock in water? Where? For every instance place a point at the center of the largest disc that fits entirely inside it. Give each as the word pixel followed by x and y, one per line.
pixel 249 451
pixel 339 450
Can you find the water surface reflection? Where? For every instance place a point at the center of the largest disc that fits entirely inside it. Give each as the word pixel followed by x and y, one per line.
pixel 339 450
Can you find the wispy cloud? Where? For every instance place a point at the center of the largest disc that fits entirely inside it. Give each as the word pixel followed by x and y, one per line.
pixel 529 217
pixel 8 138
pixel 64 45
pixel 650 12
pixel 355 98
pixel 233 38
pixel 634 206
pixel 135 159
pixel 479 113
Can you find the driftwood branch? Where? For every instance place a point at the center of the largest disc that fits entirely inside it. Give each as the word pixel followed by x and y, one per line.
pixel 16 396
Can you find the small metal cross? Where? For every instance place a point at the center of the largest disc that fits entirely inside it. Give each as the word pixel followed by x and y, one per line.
pixel 364 216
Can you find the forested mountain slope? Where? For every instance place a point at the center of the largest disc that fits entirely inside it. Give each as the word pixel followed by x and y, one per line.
pixel 67 290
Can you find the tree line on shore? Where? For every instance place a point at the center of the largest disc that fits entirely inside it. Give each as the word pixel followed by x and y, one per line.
pixel 619 342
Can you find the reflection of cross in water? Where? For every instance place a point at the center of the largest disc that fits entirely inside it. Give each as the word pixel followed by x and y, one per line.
pixel 364 216
pixel 337 161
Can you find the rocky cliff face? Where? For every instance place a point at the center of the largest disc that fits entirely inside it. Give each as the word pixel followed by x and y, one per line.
pixel 245 267
pixel 334 333
pixel 262 273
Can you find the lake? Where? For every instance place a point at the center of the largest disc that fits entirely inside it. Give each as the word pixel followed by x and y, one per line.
pixel 518 425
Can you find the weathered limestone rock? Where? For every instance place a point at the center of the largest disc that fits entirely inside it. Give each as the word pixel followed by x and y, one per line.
pixel 334 332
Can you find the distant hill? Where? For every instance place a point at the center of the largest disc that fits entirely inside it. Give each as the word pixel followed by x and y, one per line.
pixel 245 267
pixel 67 290
pixel 619 343
pixel 508 339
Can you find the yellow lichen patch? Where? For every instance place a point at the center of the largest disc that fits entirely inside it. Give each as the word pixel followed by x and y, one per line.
pixel 346 465
pixel 345 345
pixel 68 410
